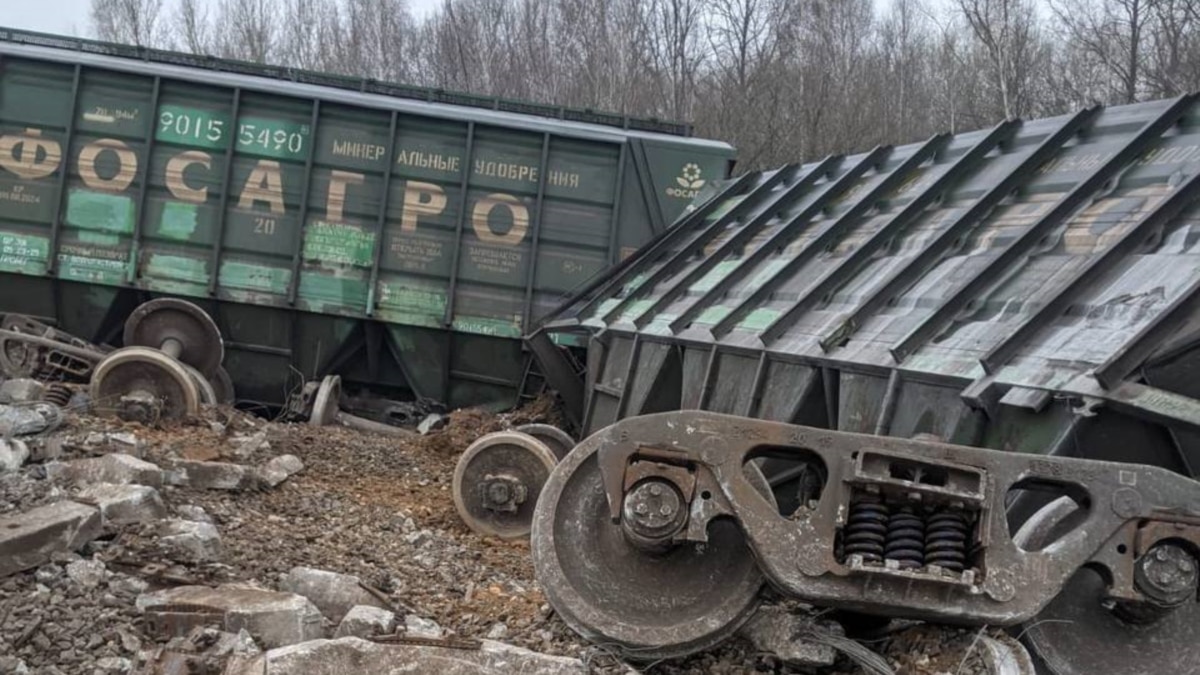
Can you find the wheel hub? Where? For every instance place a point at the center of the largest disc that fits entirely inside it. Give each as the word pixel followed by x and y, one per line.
pixel 503 493
pixel 1167 575
pixel 653 511
pixel 139 406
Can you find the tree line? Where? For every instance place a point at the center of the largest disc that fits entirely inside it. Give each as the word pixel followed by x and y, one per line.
pixel 782 80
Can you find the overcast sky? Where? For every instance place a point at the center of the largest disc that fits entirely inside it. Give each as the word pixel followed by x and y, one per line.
pixel 70 17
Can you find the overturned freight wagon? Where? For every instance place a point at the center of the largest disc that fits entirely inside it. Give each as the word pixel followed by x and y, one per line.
pixel 1033 287
pixel 403 238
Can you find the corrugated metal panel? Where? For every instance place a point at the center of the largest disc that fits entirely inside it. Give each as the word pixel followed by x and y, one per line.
pixel 933 287
pixel 307 77
pixel 154 178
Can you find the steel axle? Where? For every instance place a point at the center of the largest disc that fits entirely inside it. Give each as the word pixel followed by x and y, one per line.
pixel 901 528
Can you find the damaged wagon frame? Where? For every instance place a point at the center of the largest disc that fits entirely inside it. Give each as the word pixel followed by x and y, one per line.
pixel 1130 510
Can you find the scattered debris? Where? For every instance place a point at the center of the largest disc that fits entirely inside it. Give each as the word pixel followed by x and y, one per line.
pixel 21 390
pixel 280 469
pixel 366 621
pixel 29 418
pixel 87 573
pixel 28 540
pixel 114 468
pixel 431 423
pixel 193 512
pixel 124 504
pixel 776 630
pixel 277 619
pixel 13 454
pixel 210 475
pixel 353 654
pixel 190 541
pixel 334 594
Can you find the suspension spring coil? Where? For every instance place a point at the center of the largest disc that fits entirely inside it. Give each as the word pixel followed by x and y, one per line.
pixel 866 529
pixel 905 539
pixel 946 540
pixel 58 394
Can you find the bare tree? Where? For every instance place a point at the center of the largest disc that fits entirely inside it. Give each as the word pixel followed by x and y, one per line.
pixel 1008 32
pixel 134 22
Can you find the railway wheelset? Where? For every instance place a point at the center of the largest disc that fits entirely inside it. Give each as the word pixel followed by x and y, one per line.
pixel 171 363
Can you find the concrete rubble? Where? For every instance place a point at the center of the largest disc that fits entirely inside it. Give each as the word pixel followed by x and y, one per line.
pixel 366 621
pixel 190 541
pixel 415 626
pixel 276 619
pixel 124 504
pixel 210 475
pixel 28 540
pixel 334 594
pixel 87 573
pixel 280 469
pixel 25 419
pixel 115 468
pixel 21 390
pixel 13 455
pixel 355 655
pixel 111 560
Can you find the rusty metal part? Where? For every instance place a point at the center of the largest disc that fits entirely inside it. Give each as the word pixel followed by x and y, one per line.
pixel 446 643
pixel 559 441
pixel 177 620
pixel 1082 631
pixel 497 481
pixel 222 384
pixel 180 329
pixel 1129 509
pixel 30 348
pixel 58 394
pixel 1167 575
pixel 143 384
pixel 647 602
pixel 325 410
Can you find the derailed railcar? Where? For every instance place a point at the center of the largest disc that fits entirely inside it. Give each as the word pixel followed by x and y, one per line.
pixel 403 238
pixel 1033 288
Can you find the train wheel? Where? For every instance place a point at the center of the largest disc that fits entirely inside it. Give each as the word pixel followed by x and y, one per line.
pixel 1079 633
pixel 497 482
pixel 326 403
pixel 648 604
pixel 222 384
pixel 144 384
pixel 180 329
pixel 559 441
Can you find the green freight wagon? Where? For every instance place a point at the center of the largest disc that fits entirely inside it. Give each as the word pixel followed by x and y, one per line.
pixel 403 238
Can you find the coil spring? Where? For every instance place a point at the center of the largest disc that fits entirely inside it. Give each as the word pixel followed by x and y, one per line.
pixel 905 539
pixel 946 540
pixel 58 394
pixel 867 528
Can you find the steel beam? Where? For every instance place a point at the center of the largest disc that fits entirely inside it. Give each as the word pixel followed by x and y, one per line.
pixel 298 243
pixel 1155 221
pixel 952 236
pixel 57 218
pixel 669 267
pixel 456 255
pixel 226 188
pixel 648 252
pixel 536 233
pixel 856 260
pixel 833 232
pixel 135 247
pixel 831 192
pixel 744 234
pixel 381 222
pixel 1058 214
